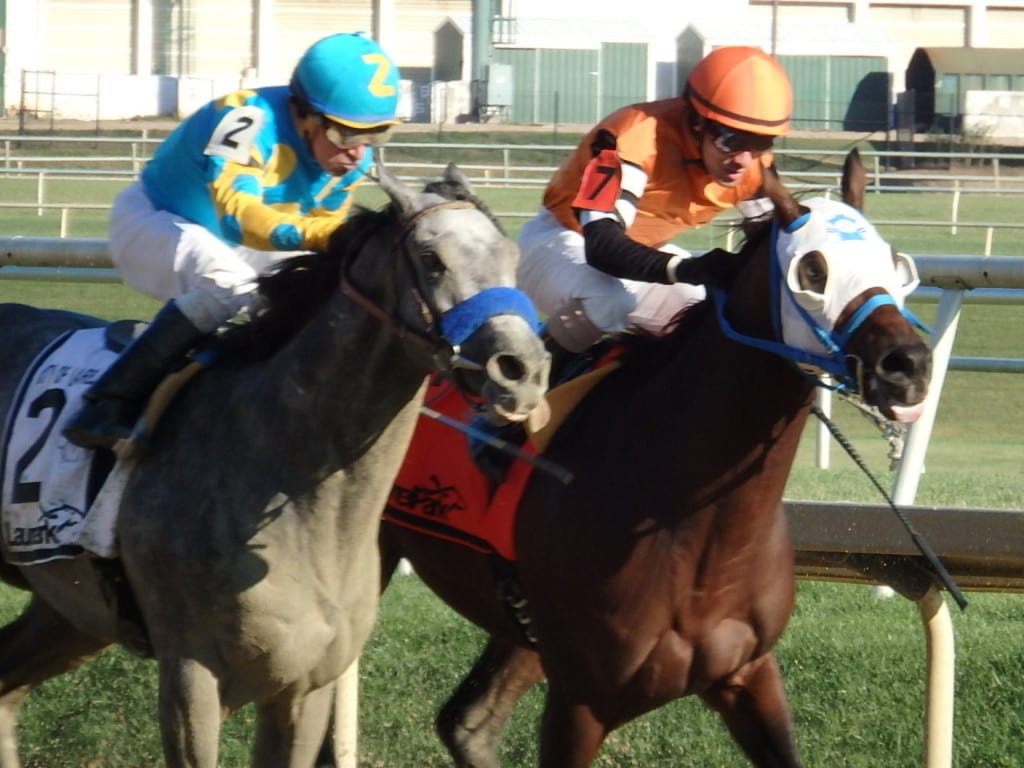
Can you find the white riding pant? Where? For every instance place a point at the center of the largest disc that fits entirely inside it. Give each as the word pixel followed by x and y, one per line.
pixel 554 273
pixel 167 257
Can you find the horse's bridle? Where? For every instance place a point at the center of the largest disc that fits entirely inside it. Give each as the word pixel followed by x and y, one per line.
pixel 443 332
pixel 834 362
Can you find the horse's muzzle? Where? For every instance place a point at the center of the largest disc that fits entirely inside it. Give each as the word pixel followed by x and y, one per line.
pixel 899 384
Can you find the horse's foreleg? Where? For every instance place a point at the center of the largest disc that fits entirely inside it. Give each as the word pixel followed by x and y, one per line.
pixel 289 732
pixel 390 555
pixel 190 714
pixel 753 706
pixel 570 734
pixel 36 646
pixel 10 704
pixel 339 744
pixel 471 722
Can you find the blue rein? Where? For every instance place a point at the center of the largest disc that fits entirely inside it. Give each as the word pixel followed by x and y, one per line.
pixel 834 363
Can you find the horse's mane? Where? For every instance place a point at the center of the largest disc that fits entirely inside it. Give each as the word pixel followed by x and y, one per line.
pixel 297 288
pixel 293 292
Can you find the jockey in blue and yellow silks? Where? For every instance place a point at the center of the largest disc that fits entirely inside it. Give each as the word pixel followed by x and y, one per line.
pixel 248 180
pixel 267 191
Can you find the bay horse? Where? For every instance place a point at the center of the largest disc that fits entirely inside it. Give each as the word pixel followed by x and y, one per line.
pixel 664 568
pixel 248 527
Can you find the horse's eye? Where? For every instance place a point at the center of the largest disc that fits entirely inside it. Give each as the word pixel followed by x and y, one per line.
pixel 812 272
pixel 433 266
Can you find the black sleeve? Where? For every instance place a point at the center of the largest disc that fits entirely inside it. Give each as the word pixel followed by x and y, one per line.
pixel 611 250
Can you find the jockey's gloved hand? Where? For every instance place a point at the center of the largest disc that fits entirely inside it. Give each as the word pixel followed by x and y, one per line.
pixel 715 269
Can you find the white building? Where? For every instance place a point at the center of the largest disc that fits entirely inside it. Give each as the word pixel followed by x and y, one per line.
pixel 121 58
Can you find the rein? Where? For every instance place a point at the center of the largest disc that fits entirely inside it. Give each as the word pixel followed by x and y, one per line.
pixel 919 540
pixel 456 324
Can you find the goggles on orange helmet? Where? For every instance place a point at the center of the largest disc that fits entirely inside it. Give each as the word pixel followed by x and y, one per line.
pixel 730 141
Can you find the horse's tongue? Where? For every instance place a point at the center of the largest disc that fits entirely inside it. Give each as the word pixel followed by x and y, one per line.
pixel 907 414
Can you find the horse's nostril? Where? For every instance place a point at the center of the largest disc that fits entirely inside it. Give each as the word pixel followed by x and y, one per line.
pixel 507 368
pixel 894 363
pixel 910 362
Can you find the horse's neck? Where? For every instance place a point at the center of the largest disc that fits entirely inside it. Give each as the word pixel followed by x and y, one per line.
pixel 720 409
pixel 762 400
pixel 733 379
pixel 339 384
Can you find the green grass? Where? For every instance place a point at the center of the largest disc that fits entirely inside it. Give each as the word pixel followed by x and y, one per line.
pixel 112 301
pixel 975 456
pixel 517 205
pixel 853 666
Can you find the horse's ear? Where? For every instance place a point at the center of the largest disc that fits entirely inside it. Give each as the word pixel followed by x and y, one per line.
pixel 454 175
pixel 854 181
pixel 453 185
pixel 403 197
pixel 787 208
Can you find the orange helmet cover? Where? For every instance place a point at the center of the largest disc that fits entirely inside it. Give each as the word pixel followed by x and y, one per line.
pixel 744 88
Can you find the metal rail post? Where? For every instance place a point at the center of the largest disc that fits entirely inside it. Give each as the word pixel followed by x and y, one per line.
pixel 940 692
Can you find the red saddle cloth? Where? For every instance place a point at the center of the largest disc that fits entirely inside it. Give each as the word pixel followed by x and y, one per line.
pixel 441 492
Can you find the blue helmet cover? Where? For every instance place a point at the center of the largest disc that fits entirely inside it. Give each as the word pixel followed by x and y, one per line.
pixel 350 79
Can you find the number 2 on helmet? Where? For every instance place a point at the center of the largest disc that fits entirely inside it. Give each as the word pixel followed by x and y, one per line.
pixel 602 181
pixel 378 83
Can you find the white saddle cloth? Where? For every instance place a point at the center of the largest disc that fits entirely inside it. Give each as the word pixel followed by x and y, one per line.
pixel 51 506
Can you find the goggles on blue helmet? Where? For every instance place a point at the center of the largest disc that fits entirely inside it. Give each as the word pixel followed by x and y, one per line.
pixel 346 137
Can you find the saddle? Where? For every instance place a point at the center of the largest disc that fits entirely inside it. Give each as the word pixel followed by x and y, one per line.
pixel 442 491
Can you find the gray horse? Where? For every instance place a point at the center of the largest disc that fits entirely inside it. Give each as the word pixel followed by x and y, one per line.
pixel 248 528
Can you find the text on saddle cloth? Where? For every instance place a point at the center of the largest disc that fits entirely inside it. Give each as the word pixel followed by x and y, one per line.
pixel 57 499
pixel 440 491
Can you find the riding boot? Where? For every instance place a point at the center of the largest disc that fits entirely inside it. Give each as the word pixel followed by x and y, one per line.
pixel 570 336
pixel 113 404
pixel 567 364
